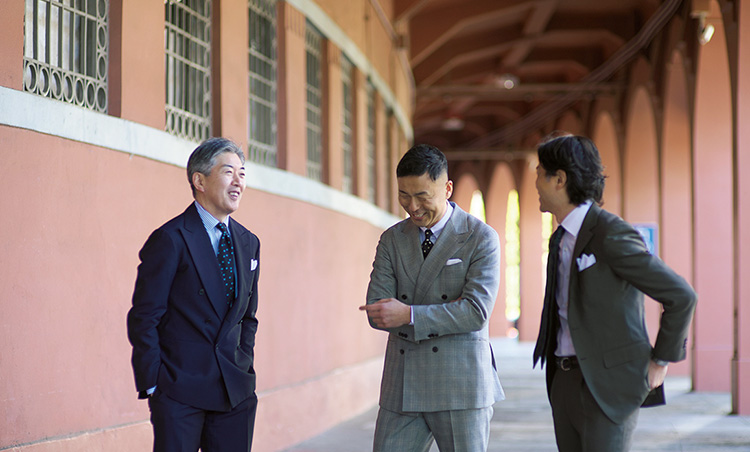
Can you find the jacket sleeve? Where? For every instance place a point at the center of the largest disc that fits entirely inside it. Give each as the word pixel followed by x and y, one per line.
pixel 631 261
pixel 156 272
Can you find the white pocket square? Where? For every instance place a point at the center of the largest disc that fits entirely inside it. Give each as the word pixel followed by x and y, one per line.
pixel 253 264
pixel 585 261
pixel 453 261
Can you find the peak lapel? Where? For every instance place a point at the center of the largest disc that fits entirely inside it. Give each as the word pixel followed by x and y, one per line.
pixel 204 259
pixel 408 241
pixel 453 237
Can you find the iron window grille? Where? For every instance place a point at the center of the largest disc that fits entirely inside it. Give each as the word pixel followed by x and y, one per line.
pixel 187 40
pixel 66 46
pixel 262 82
pixel 313 45
pixel 346 122
pixel 371 183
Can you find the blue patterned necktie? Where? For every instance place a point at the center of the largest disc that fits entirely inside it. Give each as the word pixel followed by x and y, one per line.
pixel 226 262
pixel 427 244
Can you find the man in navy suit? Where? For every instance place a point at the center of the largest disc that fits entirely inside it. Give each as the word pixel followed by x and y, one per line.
pixel 192 324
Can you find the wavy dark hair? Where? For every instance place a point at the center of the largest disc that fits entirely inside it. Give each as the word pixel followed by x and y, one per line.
pixel 421 159
pixel 579 158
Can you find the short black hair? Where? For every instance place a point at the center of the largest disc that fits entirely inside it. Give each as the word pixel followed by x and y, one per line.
pixel 421 159
pixel 579 158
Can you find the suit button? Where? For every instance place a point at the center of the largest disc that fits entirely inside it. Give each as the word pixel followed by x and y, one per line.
pixel 201 292
pixel 401 351
pixel 404 297
pixel 207 321
pixel 444 297
pixel 434 349
pixel 240 322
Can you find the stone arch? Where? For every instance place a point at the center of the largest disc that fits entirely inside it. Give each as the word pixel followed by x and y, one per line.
pixel 605 137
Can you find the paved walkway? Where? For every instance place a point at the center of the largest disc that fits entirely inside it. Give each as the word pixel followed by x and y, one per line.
pixel 690 422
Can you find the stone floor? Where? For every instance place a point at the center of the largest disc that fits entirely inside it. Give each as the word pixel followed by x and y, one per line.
pixel 690 422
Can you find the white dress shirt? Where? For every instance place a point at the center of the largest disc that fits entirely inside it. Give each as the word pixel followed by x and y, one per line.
pixel 572 226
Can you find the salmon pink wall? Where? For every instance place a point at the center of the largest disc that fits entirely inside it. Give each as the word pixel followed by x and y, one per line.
pixel 741 364
pixel 641 181
pixel 533 270
pixel 676 197
pixel 69 265
pixel 605 138
pixel 712 192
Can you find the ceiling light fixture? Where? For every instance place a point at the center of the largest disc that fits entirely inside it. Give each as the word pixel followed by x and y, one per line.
pixel 507 81
pixel 453 123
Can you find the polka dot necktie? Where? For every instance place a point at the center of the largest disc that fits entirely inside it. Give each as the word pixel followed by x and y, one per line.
pixel 226 262
pixel 427 244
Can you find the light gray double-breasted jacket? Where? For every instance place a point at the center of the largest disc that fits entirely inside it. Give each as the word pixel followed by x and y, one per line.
pixel 444 360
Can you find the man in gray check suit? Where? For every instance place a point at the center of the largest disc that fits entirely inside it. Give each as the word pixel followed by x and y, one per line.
pixel 600 363
pixel 433 286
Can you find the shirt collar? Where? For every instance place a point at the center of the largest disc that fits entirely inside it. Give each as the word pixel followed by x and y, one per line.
pixel 209 221
pixel 438 227
pixel 573 222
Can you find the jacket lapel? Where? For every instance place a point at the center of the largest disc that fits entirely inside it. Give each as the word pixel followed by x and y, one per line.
pixel 408 241
pixel 453 237
pixel 204 259
pixel 584 237
pixel 586 232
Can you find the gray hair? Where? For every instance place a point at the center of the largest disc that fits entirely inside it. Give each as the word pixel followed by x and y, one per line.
pixel 203 158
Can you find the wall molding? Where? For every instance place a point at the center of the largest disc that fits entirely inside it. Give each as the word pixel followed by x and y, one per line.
pixel 51 117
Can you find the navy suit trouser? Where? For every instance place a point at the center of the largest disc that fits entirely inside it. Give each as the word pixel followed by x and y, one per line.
pixel 182 428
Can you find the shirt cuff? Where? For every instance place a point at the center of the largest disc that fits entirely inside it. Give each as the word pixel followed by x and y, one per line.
pixel 411 314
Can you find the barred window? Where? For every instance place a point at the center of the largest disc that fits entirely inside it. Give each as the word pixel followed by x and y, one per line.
pixel 262 81
pixel 371 183
pixel 313 44
pixel 346 121
pixel 66 46
pixel 187 41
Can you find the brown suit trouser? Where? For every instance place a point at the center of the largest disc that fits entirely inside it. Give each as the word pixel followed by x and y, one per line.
pixel 580 425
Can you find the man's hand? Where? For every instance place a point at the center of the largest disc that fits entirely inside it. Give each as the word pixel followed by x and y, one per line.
pixel 388 313
pixel 656 374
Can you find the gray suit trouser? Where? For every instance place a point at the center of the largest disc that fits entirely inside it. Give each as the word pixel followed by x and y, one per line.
pixel 454 431
pixel 580 425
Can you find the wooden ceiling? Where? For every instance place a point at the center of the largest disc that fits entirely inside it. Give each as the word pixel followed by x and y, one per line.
pixel 491 73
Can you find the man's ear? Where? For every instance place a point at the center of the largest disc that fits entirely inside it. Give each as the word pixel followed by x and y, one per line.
pixel 562 178
pixel 448 189
pixel 199 182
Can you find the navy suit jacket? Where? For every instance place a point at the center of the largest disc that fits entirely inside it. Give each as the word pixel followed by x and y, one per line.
pixel 186 339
